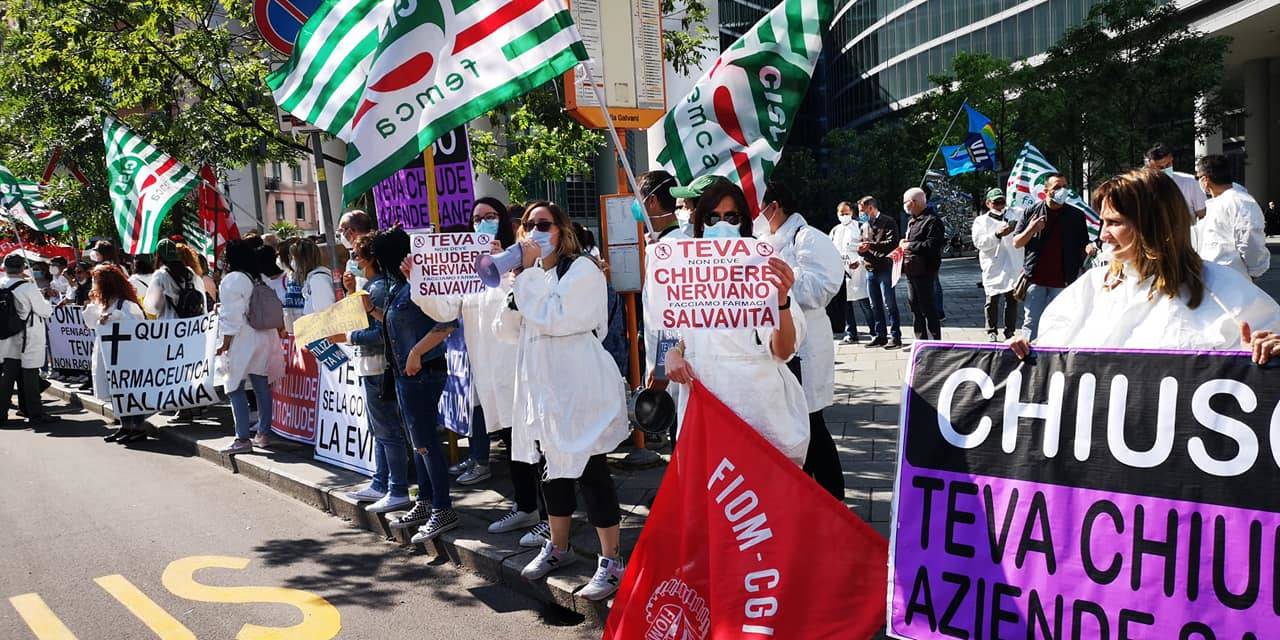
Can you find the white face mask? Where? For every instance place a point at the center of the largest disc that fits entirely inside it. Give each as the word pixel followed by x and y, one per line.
pixel 845 218
pixel 683 215
pixel 55 271
pixel 94 256
pixel 342 237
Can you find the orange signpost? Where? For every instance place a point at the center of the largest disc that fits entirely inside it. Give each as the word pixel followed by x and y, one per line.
pixel 630 69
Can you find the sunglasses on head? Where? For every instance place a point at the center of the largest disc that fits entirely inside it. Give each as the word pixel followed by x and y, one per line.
pixel 732 218
pixel 541 225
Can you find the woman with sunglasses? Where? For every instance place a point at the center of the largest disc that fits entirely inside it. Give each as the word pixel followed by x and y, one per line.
pixel 570 400
pixel 747 368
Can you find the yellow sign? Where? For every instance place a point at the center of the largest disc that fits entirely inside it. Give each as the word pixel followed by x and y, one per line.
pixel 344 317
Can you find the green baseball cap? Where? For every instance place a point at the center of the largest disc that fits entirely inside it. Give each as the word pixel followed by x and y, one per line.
pixel 995 193
pixel 696 187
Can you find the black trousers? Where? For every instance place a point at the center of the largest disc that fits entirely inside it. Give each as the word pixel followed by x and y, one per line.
pixel 10 372
pixel 526 480
pixel 597 490
pixel 924 307
pixel 992 310
pixel 822 462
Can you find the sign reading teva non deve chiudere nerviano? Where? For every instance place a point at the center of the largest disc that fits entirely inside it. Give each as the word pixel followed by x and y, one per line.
pixel 711 284
pixel 445 263
pixel 159 365
pixel 1085 494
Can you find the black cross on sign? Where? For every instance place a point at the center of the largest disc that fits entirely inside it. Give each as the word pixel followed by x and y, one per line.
pixel 115 338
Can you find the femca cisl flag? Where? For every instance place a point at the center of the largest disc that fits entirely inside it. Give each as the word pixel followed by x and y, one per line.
pixel 740 544
pixel 736 119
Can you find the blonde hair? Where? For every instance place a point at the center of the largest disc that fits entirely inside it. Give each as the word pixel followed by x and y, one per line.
pixel 1153 204
pixel 304 256
pixel 569 245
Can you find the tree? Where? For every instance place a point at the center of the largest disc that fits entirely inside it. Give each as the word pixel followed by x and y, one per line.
pixel 285 230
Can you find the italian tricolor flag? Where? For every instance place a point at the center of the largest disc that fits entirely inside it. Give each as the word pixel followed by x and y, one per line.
pixel 144 183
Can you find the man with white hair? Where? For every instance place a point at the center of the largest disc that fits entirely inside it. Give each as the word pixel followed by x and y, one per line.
pixel 352 225
pixel 921 260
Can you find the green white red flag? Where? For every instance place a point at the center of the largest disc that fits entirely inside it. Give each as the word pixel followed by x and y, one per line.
pixel 390 78
pixel 1026 186
pixel 144 183
pixel 736 119
pixel 22 202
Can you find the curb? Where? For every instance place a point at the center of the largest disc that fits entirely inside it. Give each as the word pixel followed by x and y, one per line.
pixel 497 558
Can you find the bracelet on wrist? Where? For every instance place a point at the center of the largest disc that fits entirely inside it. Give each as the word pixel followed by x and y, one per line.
pixel 786 305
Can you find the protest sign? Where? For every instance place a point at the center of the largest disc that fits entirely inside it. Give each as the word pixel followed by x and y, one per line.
pixel 160 365
pixel 404 198
pixel 343 437
pixel 70 342
pixel 344 316
pixel 711 284
pixel 328 354
pixel 741 544
pixel 1085 494
pixel 454 409
pixel 445 263
pixel 451 157
pixel 294 397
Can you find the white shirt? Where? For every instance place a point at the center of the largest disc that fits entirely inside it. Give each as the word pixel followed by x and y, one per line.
pixel 1001 262
pixel 317 291
pixel 34 309
pixel 847 237
pixel 1191 191
pixel 140 284
pixel 163 293
pixel 1233 233
pixel 252 351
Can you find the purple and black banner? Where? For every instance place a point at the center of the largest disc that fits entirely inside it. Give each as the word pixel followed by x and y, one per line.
pixel 405 197
pixel 1086 494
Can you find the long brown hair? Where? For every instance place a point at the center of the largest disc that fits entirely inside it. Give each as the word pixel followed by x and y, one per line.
pixel 569 245
pixel 711 198
pixel 1153 204
pixel 111 284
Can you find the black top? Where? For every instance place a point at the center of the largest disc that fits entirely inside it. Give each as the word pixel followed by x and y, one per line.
pixel 1075 237
pixel 882 238
pixel 925 239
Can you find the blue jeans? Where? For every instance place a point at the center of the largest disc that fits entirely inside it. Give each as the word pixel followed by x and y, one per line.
pixel 851 320
pixel 1037 299
pixel 479 438
pixel 884 302
pixel 240 407
pixel 390 453
pixel 418 398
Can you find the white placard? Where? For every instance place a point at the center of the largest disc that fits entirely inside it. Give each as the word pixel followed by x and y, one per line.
pixel 624 268
pixel 621 227
pixel 711 284
pixel 70 342
pixel 343 437
pixel 160 365
pixel 445 263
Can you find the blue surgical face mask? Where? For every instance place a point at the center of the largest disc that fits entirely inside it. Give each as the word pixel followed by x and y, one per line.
pixel 543 238
pixel 637 211
pixel 1168 171
pixel 488 227
pixel 864 218
pixel 721 230
pixel 1061 196
pixel 353 268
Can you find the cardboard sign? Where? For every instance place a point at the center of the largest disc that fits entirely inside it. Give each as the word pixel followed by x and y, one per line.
pixel 711 284
pixel 445 263
pixel 160 365
pixel 343 437
pixel 344 316
pixel 1085 494
pixel 293 398
pixel 328 354
pixel 70 342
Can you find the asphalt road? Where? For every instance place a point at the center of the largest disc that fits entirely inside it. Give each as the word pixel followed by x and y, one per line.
pixel 103 541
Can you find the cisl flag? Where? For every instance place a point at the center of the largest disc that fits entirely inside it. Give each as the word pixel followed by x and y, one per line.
pixel 741 544
pixel 144 183
pixel 737 118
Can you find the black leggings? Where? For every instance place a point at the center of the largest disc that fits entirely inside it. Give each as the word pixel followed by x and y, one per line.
pixel 525 481
pixel 597 490
pixel 822 462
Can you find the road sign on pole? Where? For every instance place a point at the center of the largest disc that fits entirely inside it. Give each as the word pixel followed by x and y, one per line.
pixel 628 63
pixel 279 21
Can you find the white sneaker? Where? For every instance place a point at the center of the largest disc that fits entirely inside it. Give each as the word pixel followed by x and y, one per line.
pixel 389 503
pixel 476 474
pixel 606 580
pixel 513 521
pixel 262 441
pixel 537 536
pixel 238 446
pixel 548 560
pixel 461 467
pixel 367 494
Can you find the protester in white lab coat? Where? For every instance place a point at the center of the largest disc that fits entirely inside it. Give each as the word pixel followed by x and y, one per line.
pixel 143 271
pixel 659 203
pixel 23 352
pixel 1157 294
pixel 112 299
pixel 310 272
pixel 846 236
pixel 747 368
pixel 1233 231
pixel 570 399
pixel 1160 158
pixel 247 357
pixel 166 291
pixel 1001 262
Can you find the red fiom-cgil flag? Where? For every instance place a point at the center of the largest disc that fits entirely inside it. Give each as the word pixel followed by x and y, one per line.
pixel 215 216
pixel 741 544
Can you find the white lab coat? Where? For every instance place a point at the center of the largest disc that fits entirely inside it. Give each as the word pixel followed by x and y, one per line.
pixel 252 351
pixel 141 283
pixel 846 238
pixel 163 293
pixel 738 367
pixel 29 346
pixel 819 271
pixel 1001 262
pixel 493 361
pixel 317 291
pixel 1233 234
pixel 569 398
pixel 1191 192
pixel 116 312
pixel 1087 314
pixel 654 335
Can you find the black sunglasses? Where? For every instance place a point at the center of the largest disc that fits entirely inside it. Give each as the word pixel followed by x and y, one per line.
pixel 541 225
pixel 732 218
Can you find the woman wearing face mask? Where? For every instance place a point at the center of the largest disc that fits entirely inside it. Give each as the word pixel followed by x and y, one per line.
pixel 570 401
pixel 314 278
pixel 747 368
pixel 1157 293
pixel 112 300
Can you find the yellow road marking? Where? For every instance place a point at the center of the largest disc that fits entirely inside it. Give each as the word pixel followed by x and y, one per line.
pixel 320 620
pixel 165 626
pixel 40 618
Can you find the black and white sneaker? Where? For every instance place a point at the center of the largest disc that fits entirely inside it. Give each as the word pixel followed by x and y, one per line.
pixel 441 521
pixel 539 535
pixel 606 579
pixel 419 514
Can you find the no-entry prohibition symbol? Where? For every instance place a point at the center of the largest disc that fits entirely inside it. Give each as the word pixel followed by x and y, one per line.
pixel 279 21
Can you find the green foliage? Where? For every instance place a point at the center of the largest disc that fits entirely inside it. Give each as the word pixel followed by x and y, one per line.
pixel 285 230
pixel 685 47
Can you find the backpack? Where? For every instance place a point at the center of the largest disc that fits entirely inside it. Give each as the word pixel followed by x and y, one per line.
pixel 265 309
pixel 11 324
pixel 190 302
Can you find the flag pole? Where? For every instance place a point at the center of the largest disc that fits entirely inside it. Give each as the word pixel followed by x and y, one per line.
pixel 617 144
pixel 938 150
